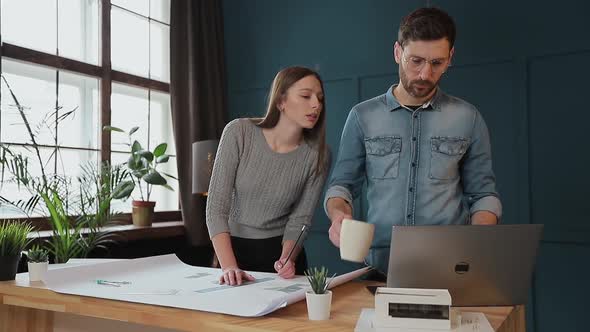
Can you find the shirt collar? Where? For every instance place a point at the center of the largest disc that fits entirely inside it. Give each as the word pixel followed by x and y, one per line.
pixel 394 105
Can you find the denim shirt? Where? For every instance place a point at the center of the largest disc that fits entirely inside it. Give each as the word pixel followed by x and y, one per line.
pixel 431 166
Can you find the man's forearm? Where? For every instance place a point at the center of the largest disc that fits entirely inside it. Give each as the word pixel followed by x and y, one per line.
pixel 335 204
pixel 484 218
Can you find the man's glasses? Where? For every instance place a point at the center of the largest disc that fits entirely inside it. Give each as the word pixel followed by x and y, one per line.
pixel 416 63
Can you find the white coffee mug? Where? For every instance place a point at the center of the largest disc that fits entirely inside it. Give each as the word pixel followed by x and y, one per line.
pixel 355 240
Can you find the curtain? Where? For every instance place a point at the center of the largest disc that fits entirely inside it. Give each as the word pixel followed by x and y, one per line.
pixel 198 96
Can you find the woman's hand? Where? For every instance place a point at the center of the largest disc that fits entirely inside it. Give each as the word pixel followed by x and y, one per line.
pixel 285 268
pixel 233 276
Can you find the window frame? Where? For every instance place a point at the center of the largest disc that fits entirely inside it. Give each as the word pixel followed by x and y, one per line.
pixel 107 76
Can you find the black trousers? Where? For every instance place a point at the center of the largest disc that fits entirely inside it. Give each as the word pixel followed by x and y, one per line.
pixel 261 254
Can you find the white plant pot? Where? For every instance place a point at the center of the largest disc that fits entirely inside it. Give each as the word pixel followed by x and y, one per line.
pixel 37 271
pixel 318 305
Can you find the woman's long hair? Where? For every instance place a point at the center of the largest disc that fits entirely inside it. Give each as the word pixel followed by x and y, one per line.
pixel 315 136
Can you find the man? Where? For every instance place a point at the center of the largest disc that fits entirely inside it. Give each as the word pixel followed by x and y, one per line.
pixel 425 155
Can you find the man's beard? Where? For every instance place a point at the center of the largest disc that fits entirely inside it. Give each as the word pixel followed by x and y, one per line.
pixel 410 86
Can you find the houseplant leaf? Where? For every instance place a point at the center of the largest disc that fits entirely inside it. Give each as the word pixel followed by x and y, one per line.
pixel 160 149
pixel 145 154
pixel 111 128
pixel 135 147
pixel 123 190
pixel 154 178
pixel 169 175
pixel 133 130
pixel 162 159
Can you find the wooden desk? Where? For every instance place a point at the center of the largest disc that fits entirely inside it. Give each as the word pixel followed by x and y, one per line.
pixel 28 306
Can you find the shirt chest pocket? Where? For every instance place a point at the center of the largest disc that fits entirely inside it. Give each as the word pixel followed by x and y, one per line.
pixel 383 155
pixel 446 157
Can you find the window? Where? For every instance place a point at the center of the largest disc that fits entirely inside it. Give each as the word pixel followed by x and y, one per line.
pixel 55 55
pixel 146 26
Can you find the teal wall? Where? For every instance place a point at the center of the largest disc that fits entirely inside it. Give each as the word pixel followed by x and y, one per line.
pixel 524 64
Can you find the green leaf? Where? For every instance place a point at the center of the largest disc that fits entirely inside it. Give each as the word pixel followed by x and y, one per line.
pixel 136 147
pixel 162 159
pixel 145 164
pixel 140 173
pixel 160 149
pixel 318 279
pixel 133 163
pixel 133 130
pixel 154 178
pixel 167 186
pixel 145 154
pixel 169 175
pixel 123 190
pixel 111 128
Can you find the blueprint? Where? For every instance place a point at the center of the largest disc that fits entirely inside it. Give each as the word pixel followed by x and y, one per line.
pixel 167 281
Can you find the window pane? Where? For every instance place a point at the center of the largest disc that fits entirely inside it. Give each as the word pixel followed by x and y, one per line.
pixel 70 162
pixel 129 42
pixel 30 23
pixel 34 88
pixel 159 51
pixel 129 108
pixel 161 122
pixel 79 94
pixel 79 30
pixel 160 10
pixel 11 191
pixel 138 6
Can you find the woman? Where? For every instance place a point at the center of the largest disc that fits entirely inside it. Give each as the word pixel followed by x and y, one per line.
pixel 267 179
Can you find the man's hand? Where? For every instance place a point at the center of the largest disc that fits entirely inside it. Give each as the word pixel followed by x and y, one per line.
pixel 338 210
pixel 285 268
pixel 484 218
pixel 233 276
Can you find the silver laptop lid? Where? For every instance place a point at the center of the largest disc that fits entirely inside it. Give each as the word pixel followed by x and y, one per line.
pixel 479 265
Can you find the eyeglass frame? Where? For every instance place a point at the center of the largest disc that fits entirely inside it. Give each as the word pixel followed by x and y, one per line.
pixel 447 61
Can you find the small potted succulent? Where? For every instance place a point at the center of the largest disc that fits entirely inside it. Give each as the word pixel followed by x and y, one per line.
pixel 38 261
pixel 319 298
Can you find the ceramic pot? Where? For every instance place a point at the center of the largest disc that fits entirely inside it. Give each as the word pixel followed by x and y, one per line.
pixel 142 213
pixel 318 305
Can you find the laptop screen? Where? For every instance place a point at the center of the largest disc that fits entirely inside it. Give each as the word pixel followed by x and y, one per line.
pixel 479 265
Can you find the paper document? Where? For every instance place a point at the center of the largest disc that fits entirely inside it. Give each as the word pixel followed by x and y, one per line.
pixel 73 262
pixel 167 281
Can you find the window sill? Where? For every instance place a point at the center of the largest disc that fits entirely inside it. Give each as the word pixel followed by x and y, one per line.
pixel 158 230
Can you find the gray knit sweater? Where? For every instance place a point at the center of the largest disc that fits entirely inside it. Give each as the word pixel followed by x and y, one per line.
pixel 258 193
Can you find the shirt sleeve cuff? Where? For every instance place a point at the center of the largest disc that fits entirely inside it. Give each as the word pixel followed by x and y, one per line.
pixel 293 230
pixel 337 191
pixel 215 228
pixel 488 203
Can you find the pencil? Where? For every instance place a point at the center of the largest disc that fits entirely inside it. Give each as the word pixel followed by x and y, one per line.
pixel 295 246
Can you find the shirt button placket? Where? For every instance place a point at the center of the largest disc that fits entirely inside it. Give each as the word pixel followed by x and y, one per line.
pixel 413 168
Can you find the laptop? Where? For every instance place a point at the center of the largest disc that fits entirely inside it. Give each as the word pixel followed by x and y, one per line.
pixel 479 265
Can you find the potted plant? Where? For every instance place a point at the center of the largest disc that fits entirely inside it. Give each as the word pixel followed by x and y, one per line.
pixel 94 209
pixel 52 194
pixel 13 240
pixel 319 298
pixel 142 164
pixel 37 262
